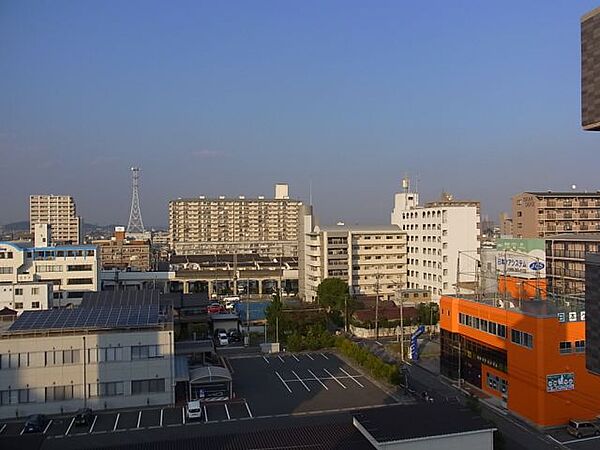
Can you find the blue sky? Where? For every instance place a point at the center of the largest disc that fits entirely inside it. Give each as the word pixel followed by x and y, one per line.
pixel 481 99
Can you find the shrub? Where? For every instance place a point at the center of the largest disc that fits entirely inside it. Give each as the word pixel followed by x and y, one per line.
pixel 366 359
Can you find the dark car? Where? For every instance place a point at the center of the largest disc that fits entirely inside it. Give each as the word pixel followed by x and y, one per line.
pixel 84 416
pixel 35 424
pixel 234 335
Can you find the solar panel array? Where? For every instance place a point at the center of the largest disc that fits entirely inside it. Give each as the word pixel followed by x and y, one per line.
pixel 121 298
pixel 115 316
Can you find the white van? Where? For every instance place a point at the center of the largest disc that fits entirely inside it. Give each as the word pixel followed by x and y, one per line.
pixel 193 410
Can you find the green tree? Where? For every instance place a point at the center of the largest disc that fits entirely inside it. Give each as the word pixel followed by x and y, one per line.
pixel 428 313
pixel 333 293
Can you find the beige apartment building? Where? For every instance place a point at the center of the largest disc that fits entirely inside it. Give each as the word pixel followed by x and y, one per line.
pixel 268 227
pixel 60 360
pixel 60 212
pixel 540 214
pixel 371 259
pixel 122 253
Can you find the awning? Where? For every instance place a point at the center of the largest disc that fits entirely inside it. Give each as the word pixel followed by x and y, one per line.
pixel 209 374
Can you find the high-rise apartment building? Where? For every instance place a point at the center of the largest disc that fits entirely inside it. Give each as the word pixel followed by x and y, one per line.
pixel 540 214
pixel 440 234
pixel 371 259
pixel 60 212
pixel 264 226
pixel 590 70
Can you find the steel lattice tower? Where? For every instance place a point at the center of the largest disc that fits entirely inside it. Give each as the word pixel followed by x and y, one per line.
pixel 136 224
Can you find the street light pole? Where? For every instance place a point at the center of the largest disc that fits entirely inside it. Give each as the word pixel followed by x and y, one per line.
pixel 377 306
pixel 401 329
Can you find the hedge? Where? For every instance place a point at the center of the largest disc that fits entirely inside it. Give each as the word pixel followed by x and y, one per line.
pixel 366 359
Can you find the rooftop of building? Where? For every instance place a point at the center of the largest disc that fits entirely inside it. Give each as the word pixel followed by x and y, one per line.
pixel 588 237
pixel 563 194
pixel 240 198
pixel 390 424
pixel 541 309
pixel 29 246
pixel 594 12
pixel 360 228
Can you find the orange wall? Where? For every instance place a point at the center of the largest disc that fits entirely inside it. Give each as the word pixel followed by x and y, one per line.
pixel 522 288
pixel 527 368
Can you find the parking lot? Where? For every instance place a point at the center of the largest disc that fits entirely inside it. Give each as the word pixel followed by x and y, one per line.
pixel 303 383
pixel 140 419
pixel 563 438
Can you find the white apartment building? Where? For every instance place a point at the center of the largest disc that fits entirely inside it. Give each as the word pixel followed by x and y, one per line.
pixel 371 259
pixel 60 213
pixel 268 227
pixel 58 361
pixel 71 269
pixel 28 296
pixel 440 234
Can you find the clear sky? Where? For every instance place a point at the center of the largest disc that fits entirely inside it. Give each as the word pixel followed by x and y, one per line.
pixel 478 98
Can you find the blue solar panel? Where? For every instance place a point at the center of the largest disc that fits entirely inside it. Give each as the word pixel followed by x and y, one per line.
pixel 97 317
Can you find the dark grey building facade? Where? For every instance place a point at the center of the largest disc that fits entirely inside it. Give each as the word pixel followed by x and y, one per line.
pixel 592 312
pixel 590 71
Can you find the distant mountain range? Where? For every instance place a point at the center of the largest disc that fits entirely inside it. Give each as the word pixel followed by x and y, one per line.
pixel 87 227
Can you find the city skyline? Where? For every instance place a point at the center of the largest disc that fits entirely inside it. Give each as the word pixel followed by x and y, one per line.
pixel 312 95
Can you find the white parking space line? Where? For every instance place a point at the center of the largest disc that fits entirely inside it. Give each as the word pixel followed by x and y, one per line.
pixel 296 358
pixel 139 419
pixel 183 415
pixel 338 381
pixel 301 381
pixel 247 407
pixel 48 426
pixel 227 411
pixel 324 355
pixel 162 411
pixel 205 415
pixel 116 421
pixel 317 378
pixel 379 343
pixel 282 360
pixel 22 431
pixel 70 425
pixel 4 426
pixel 312 359
pixel 284 383
pixel 266 360
pixel 580 440
pixel 353 379
pixel 93 423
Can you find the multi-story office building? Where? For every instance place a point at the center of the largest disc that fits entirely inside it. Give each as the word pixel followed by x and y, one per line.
pixel 530 355
pixel 443 241
pixel 58 361
pixel 540 214
pixel 122 253
pixel 71 269
pixel 590 71
pixel 235 225
pixel 59 211
pixel 565 258
pixel 371 259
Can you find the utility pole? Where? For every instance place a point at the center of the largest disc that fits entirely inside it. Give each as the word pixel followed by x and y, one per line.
pixel 401 329
pixel 377 275
pixel 459 363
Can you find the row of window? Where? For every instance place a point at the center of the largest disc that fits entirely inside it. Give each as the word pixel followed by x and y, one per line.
pixel 487 326
pixel 73 356
pixel 69 392
pixel 6 270
pixel 521 338
pixel 6 255
pixel 566 347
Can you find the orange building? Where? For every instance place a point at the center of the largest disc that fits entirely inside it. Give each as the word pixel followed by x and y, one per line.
pixel 522 286
pixel 530 355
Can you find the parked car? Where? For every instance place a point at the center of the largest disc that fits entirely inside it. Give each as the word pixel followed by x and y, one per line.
pixel 222 338
pixel 582 428
pixel 214 308
pixel 83 416
pixel 35 424
pixel 234 335
pixel 193 410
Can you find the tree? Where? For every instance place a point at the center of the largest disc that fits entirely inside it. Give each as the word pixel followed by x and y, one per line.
pixel 428 313
pixel 333 294
pixel 273 312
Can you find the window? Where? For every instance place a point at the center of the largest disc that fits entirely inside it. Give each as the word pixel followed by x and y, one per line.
pixel 79 281
pixel 59 393
pixel 18 291
pixel 6 270
pixel 521 338
pixel 145 351
pixel 110 389
pixel 35 305
pixel 18 305
pixel 15 396
pixel 70 356
pixel 35 291
pixel 564 347
pixel 79 267
pixel 579 346
pixel 147 386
